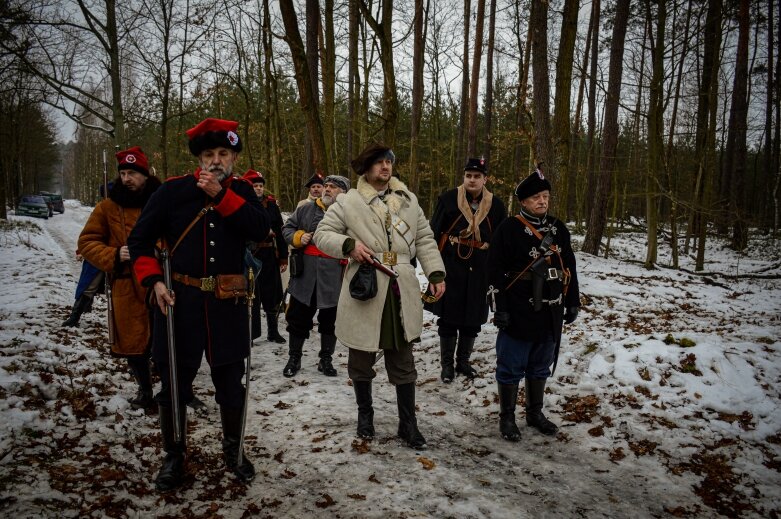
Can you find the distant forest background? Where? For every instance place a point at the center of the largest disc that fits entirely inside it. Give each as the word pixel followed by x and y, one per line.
pixel 662 115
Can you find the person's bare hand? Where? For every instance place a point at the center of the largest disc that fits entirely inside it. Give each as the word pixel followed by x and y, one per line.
pixel 306 238
pixel 361 253
pixel 164 297
pixel 208 182
pixel 437 289
pixel 124 253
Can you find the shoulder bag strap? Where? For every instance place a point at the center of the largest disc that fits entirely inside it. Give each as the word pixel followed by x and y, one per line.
pixel 198 216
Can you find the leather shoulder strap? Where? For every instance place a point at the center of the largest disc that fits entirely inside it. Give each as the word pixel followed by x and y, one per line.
pixel 198 216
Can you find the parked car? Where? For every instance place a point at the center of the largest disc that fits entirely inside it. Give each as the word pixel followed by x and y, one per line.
pixel 54 200
pixel 33 205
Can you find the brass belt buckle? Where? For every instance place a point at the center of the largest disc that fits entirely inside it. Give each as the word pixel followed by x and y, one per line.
pixel 389 258
pixel 208 284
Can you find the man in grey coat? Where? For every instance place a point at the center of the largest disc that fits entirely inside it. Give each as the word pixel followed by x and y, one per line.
pixel 315 288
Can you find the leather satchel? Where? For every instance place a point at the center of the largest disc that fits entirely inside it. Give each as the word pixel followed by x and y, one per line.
pixel 296 264
pixel 230 286
pixel 363 285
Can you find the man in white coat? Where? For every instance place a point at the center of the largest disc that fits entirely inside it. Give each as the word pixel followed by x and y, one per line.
pixel 381 220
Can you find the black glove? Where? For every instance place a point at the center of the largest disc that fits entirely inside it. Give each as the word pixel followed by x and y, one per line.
pixel 570 314
pixel 502 320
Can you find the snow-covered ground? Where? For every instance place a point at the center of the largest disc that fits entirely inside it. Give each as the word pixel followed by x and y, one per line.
pixel 667 393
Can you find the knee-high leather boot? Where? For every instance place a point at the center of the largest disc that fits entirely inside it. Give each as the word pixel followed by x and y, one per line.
pixel 408 423
pixel 295 351
pixel 273 329
pixel 140 368
pixel 79 307
pixel 535 393
pixel 447 348
pixel 231 438
pixel 508 396
pixel 327 348
pixel 363 397
pixel 171 474
pixel 464 352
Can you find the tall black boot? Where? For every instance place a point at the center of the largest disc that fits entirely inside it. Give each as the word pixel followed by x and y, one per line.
pixel 139 366
pixel 447 348
pixel 408 423
pixel 465 345
pixel 273 330
pixel 327 348
pixel 231 439
pixel 535 393
pixel 295 351
pixel 363 397
pixel 79 307
pixel 171 474
pixel 508 396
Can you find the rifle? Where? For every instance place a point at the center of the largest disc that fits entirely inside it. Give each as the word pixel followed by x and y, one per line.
pixel 250 297
pixel 107 277
pixel 172 369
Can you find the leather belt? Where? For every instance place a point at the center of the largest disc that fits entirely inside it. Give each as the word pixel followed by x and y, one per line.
pixel 265 244
pixel 392 258
pixel 205 284
pixel 527 276
pixel 455 240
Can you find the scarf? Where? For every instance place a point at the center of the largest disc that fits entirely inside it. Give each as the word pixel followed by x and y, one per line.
pixel 474 219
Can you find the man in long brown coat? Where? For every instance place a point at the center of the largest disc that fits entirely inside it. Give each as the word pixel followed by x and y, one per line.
pixel 103 242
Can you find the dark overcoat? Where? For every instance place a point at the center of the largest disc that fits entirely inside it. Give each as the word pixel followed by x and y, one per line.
pixel 271 252
pixel 464 302
pixel 512 249
pixel 215 245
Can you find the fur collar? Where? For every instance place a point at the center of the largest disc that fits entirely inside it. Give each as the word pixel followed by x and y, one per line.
pixel 396 196
pixel 127 198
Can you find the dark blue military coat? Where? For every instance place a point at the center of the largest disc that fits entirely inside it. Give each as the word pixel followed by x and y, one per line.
pixel 215 245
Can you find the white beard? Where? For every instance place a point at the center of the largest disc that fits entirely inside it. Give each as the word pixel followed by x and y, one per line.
pixel 327 200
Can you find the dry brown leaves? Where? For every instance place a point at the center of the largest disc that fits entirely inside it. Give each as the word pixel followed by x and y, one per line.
pixel 580 409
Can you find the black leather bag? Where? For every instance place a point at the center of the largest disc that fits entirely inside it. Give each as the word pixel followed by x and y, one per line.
pixel 363 285
pixel 296 264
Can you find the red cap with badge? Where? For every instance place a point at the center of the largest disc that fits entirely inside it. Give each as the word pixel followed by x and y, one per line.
pixel 133 158
pixel 254 176
pixel 214 133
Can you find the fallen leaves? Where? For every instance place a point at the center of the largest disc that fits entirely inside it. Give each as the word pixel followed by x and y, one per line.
pixel 580 409
pixel 427 463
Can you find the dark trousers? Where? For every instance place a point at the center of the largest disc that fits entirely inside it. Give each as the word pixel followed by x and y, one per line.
pixel 299 318
pixel 516 359
pixel 227 380
pixel 448 329
pixel 400 365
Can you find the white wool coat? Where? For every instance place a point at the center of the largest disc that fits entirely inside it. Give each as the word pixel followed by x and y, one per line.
pixel 360 215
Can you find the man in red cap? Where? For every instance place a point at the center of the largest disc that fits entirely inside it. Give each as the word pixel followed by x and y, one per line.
pixel 204 220
pixel 103 243
pixel 272 254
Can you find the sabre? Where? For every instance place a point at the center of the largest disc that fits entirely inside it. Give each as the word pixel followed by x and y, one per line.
pixel 107 277
pixel 250 298
pixel 172 370
pixel 382 268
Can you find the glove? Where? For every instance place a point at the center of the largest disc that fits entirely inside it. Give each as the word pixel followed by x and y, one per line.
pixel 502 320
pixel 570 314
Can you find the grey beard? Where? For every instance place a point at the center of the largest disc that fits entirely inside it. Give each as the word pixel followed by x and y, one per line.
pixel 327 200
pixel 223 173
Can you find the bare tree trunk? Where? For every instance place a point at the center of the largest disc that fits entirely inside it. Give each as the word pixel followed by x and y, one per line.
pixel 417 93
pixel 598 218
pixel 353 83
pixel 474 86
pixel 489 85
pixel 561 106
pixel 390 102
pixel 767 162
pixel 312 62
pixel 777 137
pixel 669 156
pixel 655 138
pixel 464 112
pixel 543 150
pixel 307 96
pixel 329 84
pixel 591 147
pixel 735 155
